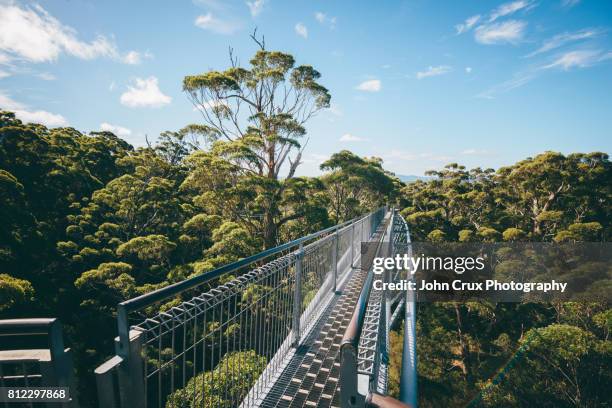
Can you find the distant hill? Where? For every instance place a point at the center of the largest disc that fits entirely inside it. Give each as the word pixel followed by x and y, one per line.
pixel 412 178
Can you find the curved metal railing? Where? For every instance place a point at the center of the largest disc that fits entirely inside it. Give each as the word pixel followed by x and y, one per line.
pixel 365 344
pixel 189 345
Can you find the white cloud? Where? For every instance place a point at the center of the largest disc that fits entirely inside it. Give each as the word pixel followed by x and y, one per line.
pixel 467 24
pixel 216 25
pixel 145 93
pixel 510 8
pixel 117 130
pixel 301 30
pixel 511 31
pixel 46 76
pixel 335 110
pixel 560 40
pixel 566 61
pixel 519 79
pixel 395 156
pixel 348 138
pixel 323 18
pixel 468 70
pixel 434 71
pixel 111 86
pixel 579 59
pixel 255 7
pixel 4 74
pixel 476 152
pixel 4 59
pixel 371 85
pixel 31 116
pixel 210 105
pixel 32 34
pixel 135 57
pixel 40 116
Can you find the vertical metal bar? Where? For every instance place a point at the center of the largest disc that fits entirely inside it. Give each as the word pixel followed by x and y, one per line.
pixel 335 259
pixel 352 245
pixel 297 301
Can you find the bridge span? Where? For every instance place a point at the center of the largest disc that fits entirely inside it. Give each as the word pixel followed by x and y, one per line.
pixel 299 325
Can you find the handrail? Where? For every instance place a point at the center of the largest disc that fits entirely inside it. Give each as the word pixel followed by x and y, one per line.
pixel 352 395
pixel 55 366
pixel 133 374
pixel 353 330
pixel 142 301
pixel 50 327
pixel 19 327
pixel 138 303
pixel 408 378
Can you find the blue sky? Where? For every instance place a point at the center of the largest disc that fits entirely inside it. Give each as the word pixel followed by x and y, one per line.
pixel 418 83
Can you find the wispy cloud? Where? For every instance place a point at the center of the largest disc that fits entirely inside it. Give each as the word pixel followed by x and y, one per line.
pixel 476 152
pixel 507 9
pixel 434 71
pixel 217 25
pixel 348 138
pixel 560 40
pixel 301 30
pixel 519 79
pixel 468 70
pixel 324 19
pixel 371 85
pixel 117 130
pixel 255 7
pixel 565 62
pixel 334 109
pixel 28 115
pixel 467 24
pixel 511 31
pixel 135 57
pixel 45 76
pixel 145 93
pixel 579 59
pixel 31 34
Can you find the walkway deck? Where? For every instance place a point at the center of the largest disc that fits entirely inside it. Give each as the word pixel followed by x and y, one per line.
pixel 311 377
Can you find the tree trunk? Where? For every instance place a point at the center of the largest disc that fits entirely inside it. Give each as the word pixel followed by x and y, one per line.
pixel 465 351
pixel 269 229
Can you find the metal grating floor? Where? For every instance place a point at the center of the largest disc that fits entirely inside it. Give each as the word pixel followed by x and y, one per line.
pixel 311 378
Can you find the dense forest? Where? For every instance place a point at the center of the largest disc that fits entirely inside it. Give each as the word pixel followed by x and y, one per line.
pixel 513 354
pixel 88 220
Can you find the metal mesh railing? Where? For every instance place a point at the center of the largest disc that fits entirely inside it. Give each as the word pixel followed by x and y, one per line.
pixel 223 347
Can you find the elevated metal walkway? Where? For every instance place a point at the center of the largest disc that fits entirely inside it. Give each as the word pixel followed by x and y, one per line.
pixel 298 325
pixel 312 376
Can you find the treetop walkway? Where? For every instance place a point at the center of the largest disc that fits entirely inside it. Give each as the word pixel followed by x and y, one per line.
pixel 294 326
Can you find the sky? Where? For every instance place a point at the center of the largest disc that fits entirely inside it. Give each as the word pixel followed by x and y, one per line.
pixel 418 83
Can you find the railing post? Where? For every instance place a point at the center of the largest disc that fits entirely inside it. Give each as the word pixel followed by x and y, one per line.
pixel 131 373
pixel 297 298
pixel 335 259
pixel 352 245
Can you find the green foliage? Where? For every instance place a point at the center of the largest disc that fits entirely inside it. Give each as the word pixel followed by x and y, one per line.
pixel 356 185
pixel 236 373
pixel 548 355
pixel 248 152
pixel 14 291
